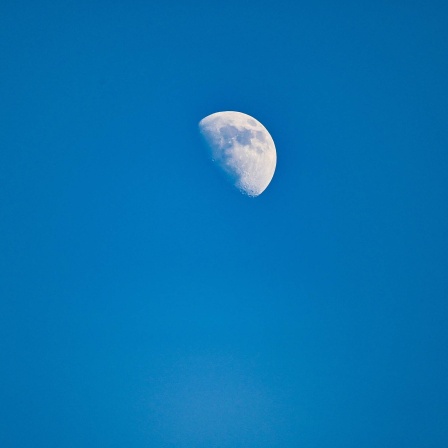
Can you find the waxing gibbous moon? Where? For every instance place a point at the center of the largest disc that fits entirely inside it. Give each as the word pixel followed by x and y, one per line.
pixel 242 148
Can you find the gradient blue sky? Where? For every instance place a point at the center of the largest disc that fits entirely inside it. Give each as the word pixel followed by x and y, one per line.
pixel 146 303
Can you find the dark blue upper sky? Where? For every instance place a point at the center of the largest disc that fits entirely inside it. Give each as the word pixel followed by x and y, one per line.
pixel 146 303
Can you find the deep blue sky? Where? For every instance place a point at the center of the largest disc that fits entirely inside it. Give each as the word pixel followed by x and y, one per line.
pixel 146 303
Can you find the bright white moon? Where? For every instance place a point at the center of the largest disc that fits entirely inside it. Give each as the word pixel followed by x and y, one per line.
pixel 243 148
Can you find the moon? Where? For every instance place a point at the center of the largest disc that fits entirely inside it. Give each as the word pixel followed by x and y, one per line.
pixel 242 148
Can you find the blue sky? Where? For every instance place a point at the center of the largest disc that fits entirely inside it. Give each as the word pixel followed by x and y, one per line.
pixel 146 303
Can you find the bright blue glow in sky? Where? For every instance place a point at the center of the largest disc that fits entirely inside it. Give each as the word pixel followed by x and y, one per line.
pixel 146 303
